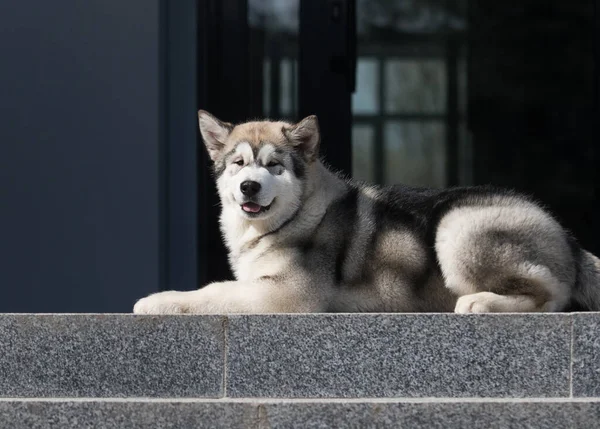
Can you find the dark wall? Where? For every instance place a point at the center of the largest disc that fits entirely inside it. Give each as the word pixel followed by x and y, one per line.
pixel 80 137
pixel 182 219
pixel 532 104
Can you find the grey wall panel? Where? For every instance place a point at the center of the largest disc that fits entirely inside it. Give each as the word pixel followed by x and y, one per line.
pixel 79 154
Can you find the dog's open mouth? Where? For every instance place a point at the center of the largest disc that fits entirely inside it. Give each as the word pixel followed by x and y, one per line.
pixel 254 209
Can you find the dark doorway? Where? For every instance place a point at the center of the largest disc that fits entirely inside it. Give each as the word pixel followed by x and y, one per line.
pixel 436 93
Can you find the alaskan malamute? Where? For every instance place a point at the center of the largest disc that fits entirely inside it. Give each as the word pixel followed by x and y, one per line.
pixel 303 239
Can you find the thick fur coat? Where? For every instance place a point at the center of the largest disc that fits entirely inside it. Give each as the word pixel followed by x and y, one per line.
pixel 302 239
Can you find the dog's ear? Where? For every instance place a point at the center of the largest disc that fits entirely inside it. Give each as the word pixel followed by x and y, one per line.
pixel 214 133
pixel 305 136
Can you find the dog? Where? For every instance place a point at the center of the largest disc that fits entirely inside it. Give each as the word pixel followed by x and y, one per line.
pixel 303 239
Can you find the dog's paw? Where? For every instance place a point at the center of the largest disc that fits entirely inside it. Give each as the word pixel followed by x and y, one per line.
pixel 162 303
pixel 475 303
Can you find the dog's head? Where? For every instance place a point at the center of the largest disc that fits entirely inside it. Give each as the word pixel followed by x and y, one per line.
pixel 260 167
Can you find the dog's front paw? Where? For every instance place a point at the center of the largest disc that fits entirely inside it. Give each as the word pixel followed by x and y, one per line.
pixel 162 303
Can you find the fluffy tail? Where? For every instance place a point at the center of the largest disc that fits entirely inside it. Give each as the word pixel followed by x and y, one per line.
pixel 587 289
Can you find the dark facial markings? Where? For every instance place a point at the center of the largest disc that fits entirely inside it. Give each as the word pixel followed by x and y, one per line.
pixel 218 168
pixel 221 164
pixel 275 163
pixel 298 166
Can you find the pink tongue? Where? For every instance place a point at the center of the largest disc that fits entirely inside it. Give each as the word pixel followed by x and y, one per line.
pixel 251 207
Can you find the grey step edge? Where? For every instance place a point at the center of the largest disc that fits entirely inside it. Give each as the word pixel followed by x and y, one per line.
pixel 170 414
pixel 300 356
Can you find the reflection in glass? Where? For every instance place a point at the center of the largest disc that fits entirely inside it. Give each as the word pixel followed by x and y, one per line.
pixel 415 153
pixel 362 152
pixel 365 98
pixel 273 59
pixel 417 80
pixel 415 86
pixel 289 87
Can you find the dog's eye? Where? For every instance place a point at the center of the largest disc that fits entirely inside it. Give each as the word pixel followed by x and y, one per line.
pixel 239 162
pixel 273 164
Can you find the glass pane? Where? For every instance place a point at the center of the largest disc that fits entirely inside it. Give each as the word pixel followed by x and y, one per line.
pixel 266 105
pixel 288 85
pixel 409 16
pixel 415 86
pixel 362 152
pixel 273 58
pixel 415 153
pixel 365 100
pixel 462 83
pixel 465 155
pixel 416 48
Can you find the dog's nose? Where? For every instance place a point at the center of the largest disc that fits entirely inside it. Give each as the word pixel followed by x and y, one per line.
pixel 250 188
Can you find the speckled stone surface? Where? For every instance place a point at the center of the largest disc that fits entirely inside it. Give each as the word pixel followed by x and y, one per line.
pixel 586 355
pixel 125 415
pixel 110 356
pixel 536 415
pixel 394 355
pixel 302 415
